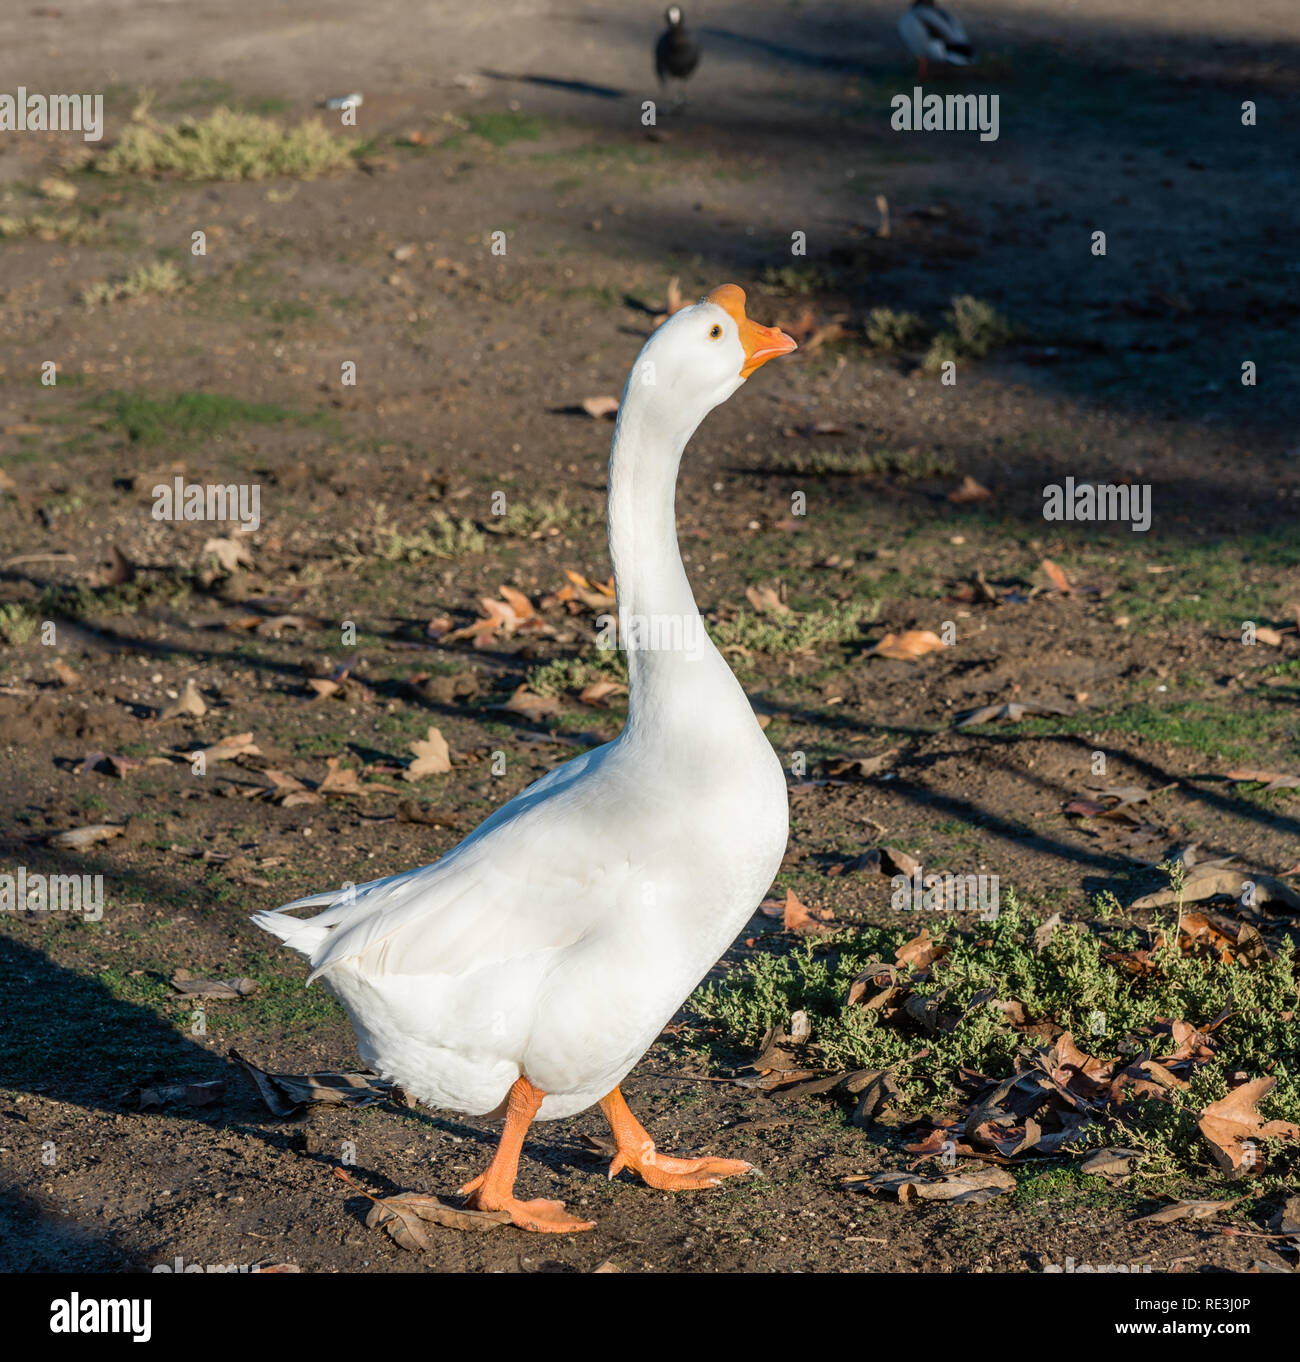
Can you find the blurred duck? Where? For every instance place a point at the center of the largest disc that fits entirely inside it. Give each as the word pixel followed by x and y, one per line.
pixel 677 54
pixel 931 34
pixel 525 972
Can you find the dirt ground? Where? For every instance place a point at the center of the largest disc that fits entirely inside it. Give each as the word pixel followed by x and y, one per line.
pixel 472 368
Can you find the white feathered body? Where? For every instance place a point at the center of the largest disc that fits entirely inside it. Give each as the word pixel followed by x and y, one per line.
pixel 559 937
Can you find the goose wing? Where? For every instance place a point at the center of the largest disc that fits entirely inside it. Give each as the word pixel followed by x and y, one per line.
pixel 538 875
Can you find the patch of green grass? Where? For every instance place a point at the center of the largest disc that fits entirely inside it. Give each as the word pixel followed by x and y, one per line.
pixel 281 1002
pixel 820 462
pixel 1065 1187
pixel 795 632
pixel 194 415
pixel 85 602
pixel 530 519
pixel 286 310
pixel 1070 981
pixel 570 675
pixel 974 329
pixel 160 279
pixel 226 146
pixel 1209 585
pixel 888 330
pixel 17 623
pixel 265 106
pixel 444 536
pixel 70 228
pixel 1195 724
pixel 797 280
pixel 502 127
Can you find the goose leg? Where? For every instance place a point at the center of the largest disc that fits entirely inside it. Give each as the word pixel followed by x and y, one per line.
pixel 636 1151
pixel 494 1189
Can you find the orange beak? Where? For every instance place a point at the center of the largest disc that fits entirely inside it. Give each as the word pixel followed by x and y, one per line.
pixel 761 343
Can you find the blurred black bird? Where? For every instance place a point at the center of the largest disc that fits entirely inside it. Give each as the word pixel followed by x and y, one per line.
pixel 931 34
pixel 677 54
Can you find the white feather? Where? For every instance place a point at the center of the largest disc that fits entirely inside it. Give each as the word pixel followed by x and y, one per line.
pixel 559 937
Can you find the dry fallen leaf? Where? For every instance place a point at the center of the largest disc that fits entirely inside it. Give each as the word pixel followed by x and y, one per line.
pixel 231 746
pixel 64 674
pixel 970 490
pixel 87 836
pixel 403 1216
pixel 1210 880
pixel 596 407
pixel 797 917
pixel 518 602
pixel 231 553
pixel 1112 1163
pixel 342 780
pixel 1058 578
pixel 432 757
pixel 184 982
pixel 598 596
pixel 533 706
pixel 1232 1125
pixel 909 645
pixel 119 571
pixel 1272 780
pixel 1013 712
pixel 599 690
pixel 767 598
pixel 286 1094
pixel 1185 1210
pixel 188 702
pixel 506 616
pixel 920 952
pixel 960 1189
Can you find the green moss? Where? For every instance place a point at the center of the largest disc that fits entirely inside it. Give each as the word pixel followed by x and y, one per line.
pixel 187 417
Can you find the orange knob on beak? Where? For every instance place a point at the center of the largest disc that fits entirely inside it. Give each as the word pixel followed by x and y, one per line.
pixel 761 343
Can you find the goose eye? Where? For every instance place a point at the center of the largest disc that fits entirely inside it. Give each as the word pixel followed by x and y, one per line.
pixel 715 332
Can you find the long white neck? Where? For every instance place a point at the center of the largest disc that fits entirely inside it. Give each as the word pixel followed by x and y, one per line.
pixel 673 667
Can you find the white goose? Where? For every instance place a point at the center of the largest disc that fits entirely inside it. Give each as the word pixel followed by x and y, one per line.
pixel 528 970
pixel 932 34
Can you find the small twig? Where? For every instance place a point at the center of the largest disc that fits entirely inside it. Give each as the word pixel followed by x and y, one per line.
pixel 689 1078
pixel 39 558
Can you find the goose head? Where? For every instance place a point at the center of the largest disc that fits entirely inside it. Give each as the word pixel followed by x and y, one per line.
pixel 703 353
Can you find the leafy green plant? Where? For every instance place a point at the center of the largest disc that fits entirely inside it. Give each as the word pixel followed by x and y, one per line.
pixel 527 519
pixel 1076 977
pixel 17 623
pixel 160 279
pixel 443 537
pixel 974 329
pixel 569 675
pixel 889 330
pixel 794 632
pixel 226 146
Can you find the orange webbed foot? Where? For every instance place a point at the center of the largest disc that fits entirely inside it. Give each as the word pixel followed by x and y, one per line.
pixel 668 1174
pixel 637 1153
pixel 493 1189
pixel 539 1215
